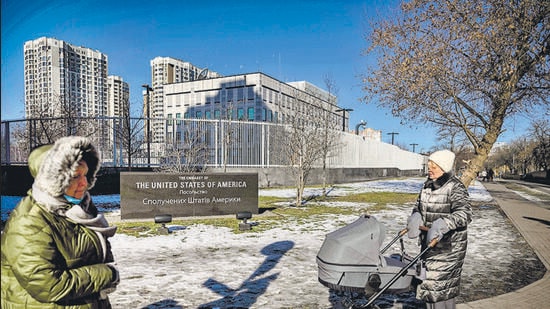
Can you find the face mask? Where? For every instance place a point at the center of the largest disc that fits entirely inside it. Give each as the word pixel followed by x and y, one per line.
pixel 72 200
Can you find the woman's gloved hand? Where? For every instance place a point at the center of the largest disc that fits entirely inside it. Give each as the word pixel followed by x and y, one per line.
pixel 438 229
pixel 413 225
pixel 115 280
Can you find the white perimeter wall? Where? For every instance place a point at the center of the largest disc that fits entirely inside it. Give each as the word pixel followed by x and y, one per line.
pixel 356 152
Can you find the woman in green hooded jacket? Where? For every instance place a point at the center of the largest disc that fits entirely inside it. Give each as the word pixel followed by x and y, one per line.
pixel 55 248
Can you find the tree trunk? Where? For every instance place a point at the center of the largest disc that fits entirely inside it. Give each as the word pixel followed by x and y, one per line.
pixel 481 155
pixel 299 191
pixel 475 165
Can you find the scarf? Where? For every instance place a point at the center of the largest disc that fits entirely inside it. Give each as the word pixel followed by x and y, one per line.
pixel 435 184
pixel 81 214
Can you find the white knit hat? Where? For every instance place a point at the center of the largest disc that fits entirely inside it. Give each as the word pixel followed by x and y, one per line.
pixel 444 159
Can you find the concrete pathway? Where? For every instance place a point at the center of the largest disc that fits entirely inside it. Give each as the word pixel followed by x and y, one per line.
pixel 533 222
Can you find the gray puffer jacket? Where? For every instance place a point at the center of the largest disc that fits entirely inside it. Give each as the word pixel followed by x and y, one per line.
pixel 447 198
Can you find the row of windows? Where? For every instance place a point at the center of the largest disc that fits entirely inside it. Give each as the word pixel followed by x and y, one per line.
pixel 250 114
pixel 238 95
pixel 31 55
pixel 209 97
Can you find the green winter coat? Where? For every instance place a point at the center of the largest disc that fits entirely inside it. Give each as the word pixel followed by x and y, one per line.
pixel 49 260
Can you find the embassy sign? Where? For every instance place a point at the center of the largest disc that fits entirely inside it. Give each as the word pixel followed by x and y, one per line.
pixel 145 195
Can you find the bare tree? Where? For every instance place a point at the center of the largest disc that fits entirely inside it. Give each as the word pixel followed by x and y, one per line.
pixel 329 130
pixel 128 133
pixel 515 157
pixel 228 134
pixel 188 153
pixel 60 117
pixel 541 150
pixel 464 64
pixel 46 122
pixel 18 141
pixel 302 143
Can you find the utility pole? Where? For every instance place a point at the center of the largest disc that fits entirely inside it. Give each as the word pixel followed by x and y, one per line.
pixel 392 136
pixel 414 145
pixel 148 101
pixel 344 110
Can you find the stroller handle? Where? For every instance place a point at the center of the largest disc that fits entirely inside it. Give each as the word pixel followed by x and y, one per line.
pixel 433 242
pixel 399 274
pixel 399 235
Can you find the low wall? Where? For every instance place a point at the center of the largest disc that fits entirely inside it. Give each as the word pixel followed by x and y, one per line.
pixel 16 179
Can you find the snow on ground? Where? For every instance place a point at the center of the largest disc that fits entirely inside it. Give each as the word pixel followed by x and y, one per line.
pixel 200 266
pixel 210 267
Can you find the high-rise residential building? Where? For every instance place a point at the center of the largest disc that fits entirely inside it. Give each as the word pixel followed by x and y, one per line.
pixel 63 79
pixel 118 106
pixel 167 70
pixel 118 97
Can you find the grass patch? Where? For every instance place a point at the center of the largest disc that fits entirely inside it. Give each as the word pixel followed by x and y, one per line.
pixel 268 202
pixel 274 215
pixel 379 199
pixel 137 229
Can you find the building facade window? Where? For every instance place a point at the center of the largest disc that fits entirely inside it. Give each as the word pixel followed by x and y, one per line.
pixel 250 113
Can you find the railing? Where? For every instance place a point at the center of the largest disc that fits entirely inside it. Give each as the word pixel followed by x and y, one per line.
pixel 214 143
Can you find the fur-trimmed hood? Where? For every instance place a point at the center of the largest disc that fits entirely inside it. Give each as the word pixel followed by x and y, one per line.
pixel 53 166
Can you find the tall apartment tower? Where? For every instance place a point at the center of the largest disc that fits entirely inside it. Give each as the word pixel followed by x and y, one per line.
pixel 118 96
pixel 61 78
pixel 118 106
pixel 167 70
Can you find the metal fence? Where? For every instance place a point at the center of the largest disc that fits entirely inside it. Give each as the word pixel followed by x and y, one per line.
pixel 210 143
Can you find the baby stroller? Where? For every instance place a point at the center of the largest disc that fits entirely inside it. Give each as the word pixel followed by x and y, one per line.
pixel 350 260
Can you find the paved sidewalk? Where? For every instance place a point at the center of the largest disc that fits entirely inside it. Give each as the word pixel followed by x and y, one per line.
pixel 533 222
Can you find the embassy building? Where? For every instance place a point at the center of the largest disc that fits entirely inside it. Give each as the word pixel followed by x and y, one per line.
pixel 249 97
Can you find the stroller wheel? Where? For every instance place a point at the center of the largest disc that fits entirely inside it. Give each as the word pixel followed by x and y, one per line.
pixel 348 303
pixel 374 281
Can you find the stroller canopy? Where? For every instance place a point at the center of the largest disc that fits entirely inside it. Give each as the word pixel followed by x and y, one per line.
pixel 357 243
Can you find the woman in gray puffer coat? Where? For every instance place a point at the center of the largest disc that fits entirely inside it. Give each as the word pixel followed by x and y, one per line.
pixel 442 206
pixel 55 252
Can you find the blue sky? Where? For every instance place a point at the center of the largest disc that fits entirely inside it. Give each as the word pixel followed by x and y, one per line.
pixel 289 40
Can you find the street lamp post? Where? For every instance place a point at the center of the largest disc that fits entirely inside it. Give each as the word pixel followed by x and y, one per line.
pixel 392 136
pixel 414 145
pixel 363 123
pixel 344 110
pixel 148 100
